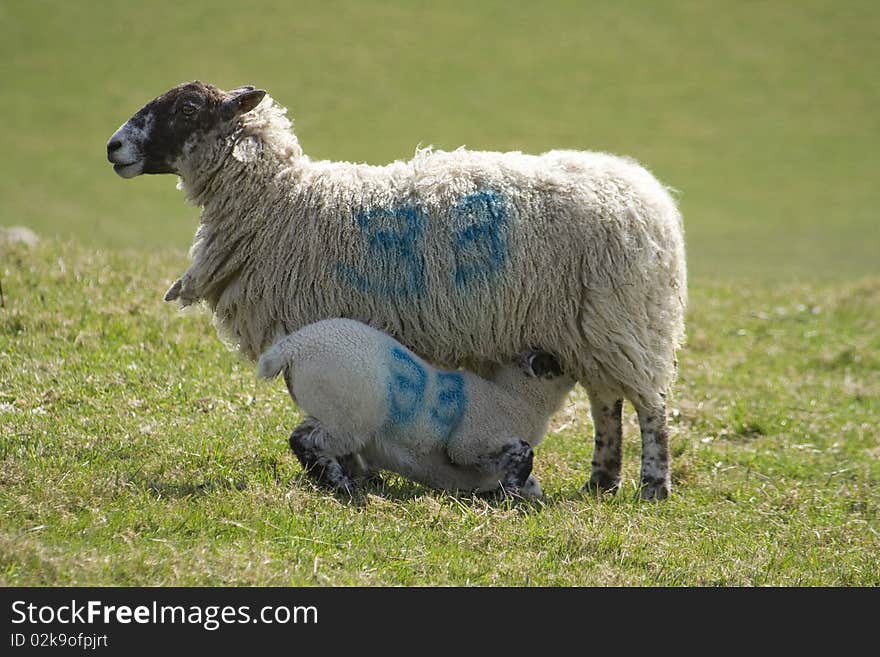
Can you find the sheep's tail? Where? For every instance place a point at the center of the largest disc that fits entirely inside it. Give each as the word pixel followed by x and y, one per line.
pixel 277 357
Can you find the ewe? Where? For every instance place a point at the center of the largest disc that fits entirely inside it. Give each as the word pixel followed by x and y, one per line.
pixel 467 258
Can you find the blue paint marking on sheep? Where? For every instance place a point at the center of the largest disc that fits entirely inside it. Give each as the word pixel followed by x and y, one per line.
pixel 480 246
pixel 394 247
pixel 395 236
pixel 449 406
pixel 406 386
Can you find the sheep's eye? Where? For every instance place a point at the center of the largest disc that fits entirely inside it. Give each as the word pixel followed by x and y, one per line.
pixel 188 109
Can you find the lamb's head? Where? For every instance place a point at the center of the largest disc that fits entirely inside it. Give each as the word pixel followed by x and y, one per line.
pixel 537 376
pixel 184 121
pixel 539 364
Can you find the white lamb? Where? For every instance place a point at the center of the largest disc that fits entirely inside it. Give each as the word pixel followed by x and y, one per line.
pixel 384 407
pixel 467 258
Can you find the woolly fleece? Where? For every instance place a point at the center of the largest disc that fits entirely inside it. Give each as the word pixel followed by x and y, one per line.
pixel 353 379
pixel 594 267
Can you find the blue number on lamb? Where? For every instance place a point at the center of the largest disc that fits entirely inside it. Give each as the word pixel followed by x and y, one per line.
pixel 451 398
pixel 406 386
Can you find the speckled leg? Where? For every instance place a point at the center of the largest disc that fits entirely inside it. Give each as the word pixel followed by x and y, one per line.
pixel 513 463
pixel 307 442
pixel 517 463
pixel 655 480
pixel 608 449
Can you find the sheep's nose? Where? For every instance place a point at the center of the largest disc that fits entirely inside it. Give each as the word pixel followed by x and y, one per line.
pixel 113 146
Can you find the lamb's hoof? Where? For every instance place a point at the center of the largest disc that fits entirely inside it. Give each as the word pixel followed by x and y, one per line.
pixel 327 473
pixel 361 472
pixel 654 489
pixel 531 490
pixel 337 479
pixel 303 443
pixel 517 459
pixel 374 479
pixel 322 469
pixel 602 482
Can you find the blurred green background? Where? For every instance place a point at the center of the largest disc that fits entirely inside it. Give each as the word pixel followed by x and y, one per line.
pixel 764 115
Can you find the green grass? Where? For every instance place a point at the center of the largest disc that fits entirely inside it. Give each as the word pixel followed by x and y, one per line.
pixel 136 449
pixel 763 114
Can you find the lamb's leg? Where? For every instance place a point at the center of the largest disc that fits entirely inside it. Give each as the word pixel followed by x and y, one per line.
pixel 496 456
pixel 655 479
pixel 360 469
pixel 531 489
pixel 513 465
pixel 307 442
pixel 608 449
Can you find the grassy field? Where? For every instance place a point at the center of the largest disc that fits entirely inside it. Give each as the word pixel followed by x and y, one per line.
pixel 763 114
pixel 136 449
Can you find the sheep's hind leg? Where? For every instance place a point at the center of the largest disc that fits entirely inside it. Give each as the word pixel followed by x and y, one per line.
pixel 608 448
pixel 307 441
pixel 655 478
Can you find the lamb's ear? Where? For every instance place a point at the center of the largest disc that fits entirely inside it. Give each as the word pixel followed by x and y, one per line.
pixel 241 100
pixel 543 364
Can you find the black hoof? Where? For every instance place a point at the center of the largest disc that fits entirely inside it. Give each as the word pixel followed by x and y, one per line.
pixel 323 470
pixel 602 482
pixel 654 489
pixel 360 471
pixel 518 459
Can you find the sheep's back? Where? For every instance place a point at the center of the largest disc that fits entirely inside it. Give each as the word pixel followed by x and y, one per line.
pixel 468 257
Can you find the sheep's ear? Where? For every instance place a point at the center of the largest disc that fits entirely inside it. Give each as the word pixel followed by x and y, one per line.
pixel 241 100
pixel 543 364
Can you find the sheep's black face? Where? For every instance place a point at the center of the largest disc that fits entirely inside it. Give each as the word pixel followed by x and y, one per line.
pixel 153 140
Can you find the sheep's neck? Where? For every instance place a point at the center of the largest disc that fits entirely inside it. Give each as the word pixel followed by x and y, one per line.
pixel 236 196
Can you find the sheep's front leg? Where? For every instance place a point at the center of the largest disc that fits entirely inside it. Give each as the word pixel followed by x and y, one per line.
pixel 655 478
pixel 608 449
pixel 308 442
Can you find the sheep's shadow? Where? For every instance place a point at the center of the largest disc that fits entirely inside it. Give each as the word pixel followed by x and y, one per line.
pixel 396 488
